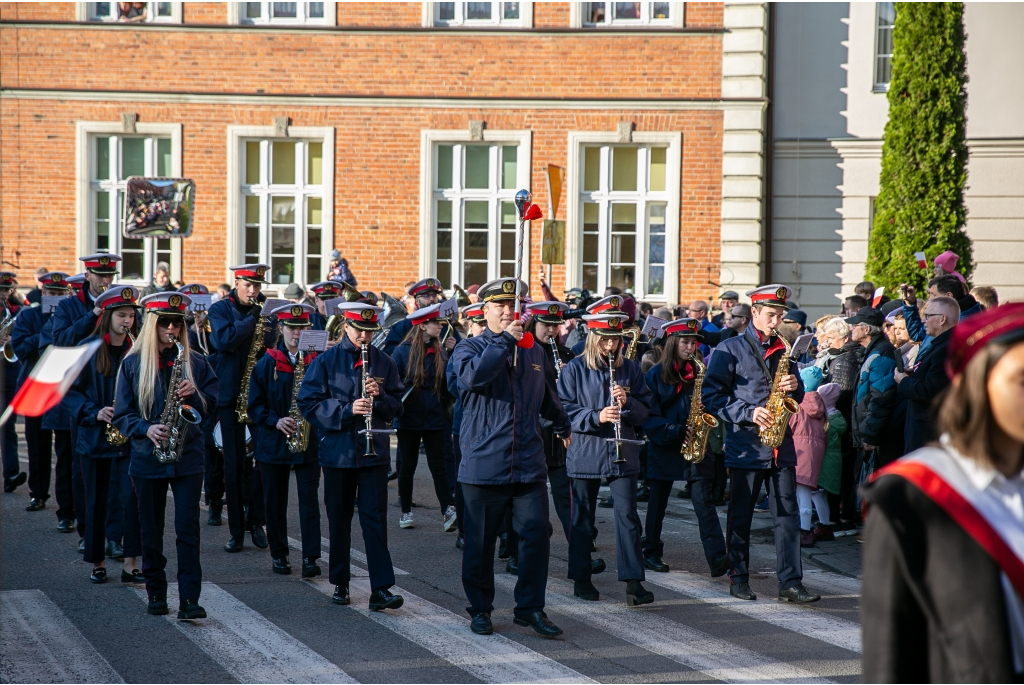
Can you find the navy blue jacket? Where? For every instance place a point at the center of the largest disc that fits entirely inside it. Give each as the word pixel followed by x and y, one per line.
pixel 425 408
pixel 738 380
pixel 584 393
pixel 25 339
pixel 73 320
pixel 451 377
pixel 665 429
pixel 270 399
pixel 501 410
pixel 91 392
pixel 230 338
pixel 58 418
pixel 921 389
pixel 129 420
pixel 333 382
pixel 318 321
pixel 401 329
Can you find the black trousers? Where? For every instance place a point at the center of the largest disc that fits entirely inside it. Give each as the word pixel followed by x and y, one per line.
pixel 703 506
pixel 243 488
pixel 152 494
pixel 275 490
pixel 561 495
pixel 63 489
pixel 78 485
pixel 460 502
pixel 118 474
pixel 847 487
pixel 409 449
pixel 213 483
pixel 744 489
pixel 343 488
pixel 99 473
pixel 9 431
pixel 40 457
pixel 485 507
pixel 628 556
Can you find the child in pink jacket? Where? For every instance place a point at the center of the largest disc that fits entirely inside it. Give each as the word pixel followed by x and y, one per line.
pixel 808 429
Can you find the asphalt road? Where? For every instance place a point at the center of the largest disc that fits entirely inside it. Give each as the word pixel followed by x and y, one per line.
pixel 55 626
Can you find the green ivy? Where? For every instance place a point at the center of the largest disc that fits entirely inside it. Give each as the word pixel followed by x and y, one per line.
pixel 920 205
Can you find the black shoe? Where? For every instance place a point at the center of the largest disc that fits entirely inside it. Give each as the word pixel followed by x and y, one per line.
pixel 81 545
pixel 538 620
pixel 720 567
pixel 216 514
pixel 798 594
pixel 512 566
pixel 383 599
pixel 134 577
pixel 597 566
pixel 584 589
pixel 282 566
pixel 606 503
pixel 259 538
pixel 481 623
pixel 11 484
pixel 656 564
pixel 157 605
pixel 685 490
pixel 742 591
pixel 309 568
pixel 460 540
pixel 637 594
pixel 65 525
pixel 503 546
pixel 341 595
pixel 114 551
pixel 643 494
pixel 393 476
pixel 189 609
pixel 235 544
pixel 36 504
pixel 99 575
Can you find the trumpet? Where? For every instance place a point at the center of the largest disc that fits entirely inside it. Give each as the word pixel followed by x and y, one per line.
pixel 618 439
pixel 369 431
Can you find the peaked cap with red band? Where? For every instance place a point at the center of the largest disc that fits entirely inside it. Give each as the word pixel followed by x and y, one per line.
pixel 294 315
pixel 368 296
pixel 1002 324
pixel 427 285
pixel 167 304
pixel 683 328
pixel 605 324
pixel 102 264
pixel 548 312
pixel 612 303
pixel 326 290
pixel 194 289
pixel 502 289
pixel 474 312
pixel 8 279
pixel 57 280
pixel 118 296
pixel 774 295
pixel 254 273
pixel 75 282
pixel 425 314
pixel 361 316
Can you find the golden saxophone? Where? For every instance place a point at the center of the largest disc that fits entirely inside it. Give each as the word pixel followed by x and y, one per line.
pixel 633 333
pixel 699 423
pixel 114 436
pixel 780 405
pixel 299 440
pixel 6 326
pixel 175 414
pixel 255 350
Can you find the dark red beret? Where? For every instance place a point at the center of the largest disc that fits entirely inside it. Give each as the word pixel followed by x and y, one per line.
pixel 999 324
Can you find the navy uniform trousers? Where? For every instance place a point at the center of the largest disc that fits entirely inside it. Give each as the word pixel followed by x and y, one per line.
pixel 39 444
pixel 78 483
pixel 275 490
pixel 214 466
pixel 485 507
pixel 561 495
pixel 119 479
pixel 703 506
pixel 243 486
pixel 744 488
pixel 152 494
pixel 99 474
pixel 627 527
pixel 8 432
pixel 343 489
pixel 63 488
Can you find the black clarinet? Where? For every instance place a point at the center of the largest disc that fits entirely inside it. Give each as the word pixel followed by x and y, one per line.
pixel 370 431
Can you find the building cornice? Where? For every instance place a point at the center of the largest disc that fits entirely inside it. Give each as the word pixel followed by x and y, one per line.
pixel 871 148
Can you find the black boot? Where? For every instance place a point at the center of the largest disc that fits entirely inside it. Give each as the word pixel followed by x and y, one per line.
pixel 636 594
pixel 383 599
pixel 655 563
pixel 157 605
pixel 282 566
pixel 309 567
pixel 216 514
pixel 584 589
pixel 340 594
pixel 720 567
pixel 235 544
pixel 512 566
pixel 259 538
pixel 189 609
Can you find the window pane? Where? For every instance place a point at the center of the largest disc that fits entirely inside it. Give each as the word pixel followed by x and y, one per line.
pixel 282 210
pixel 593 12
pixel 475 237
pixel 252 243
pixel 132 261
pixel 316 10
pixel 313 250
pixel 591 168
pixel 102 159
pixel 102 222
pixel 656 249
pixel 444 245
pixel 886 14
pixel 445 12
pixel 444 230
pixel 444 165
pixel 252 209
pixel 478 166
pixel 285 10
pixel 444 274
pixel 133 157
pixel 478 10
pixel 253 10
pixel 661 10
pixel 656 280
pixel 624 168
pixel 591 215
pixel 627 10
pixel 314 211
pixel 252 160
pixel 475 245
pixel 283 157
pixel 163 9
pixel 658 168
pixel 509 155
pixel 282 270
pixel 507 244
pixel 622 245
pixel 510 10
pixel 476 215
pixel 315 163
pixel 474 273
pixel 590 278
pixel 102 9
pixel 163 157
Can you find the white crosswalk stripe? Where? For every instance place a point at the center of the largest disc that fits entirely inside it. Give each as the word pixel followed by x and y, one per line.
pixel 804 620
pixel 247 645
pixel 718 659
pixel 39 644
pixel 491 658
pixel 325 557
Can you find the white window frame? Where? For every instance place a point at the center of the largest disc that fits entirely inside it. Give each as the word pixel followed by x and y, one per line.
pixel 673 141
pixel 237 136
pixel 85 134
pixel 431 17
pixel 429 140
pixel 86 11
pixel 236 15
pixel 877 85
pixel 676 18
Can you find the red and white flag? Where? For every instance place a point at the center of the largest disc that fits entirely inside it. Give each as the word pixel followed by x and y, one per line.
pixel 877 297
pixel 46 386
pixel 922 261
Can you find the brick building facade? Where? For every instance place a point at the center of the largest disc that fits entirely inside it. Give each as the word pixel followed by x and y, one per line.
pixel 394 132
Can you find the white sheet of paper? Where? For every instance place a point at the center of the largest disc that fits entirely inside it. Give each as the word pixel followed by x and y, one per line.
pixel 315 339
pixel 49 303
pixel 652 326
pixel 801 345
pixel 331 305
pixel 200 303
pixel 271 304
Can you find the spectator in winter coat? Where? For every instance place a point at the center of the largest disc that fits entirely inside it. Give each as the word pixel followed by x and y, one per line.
pixel 875 393
pixel 826 497
pixel 843 371
pixel 808 429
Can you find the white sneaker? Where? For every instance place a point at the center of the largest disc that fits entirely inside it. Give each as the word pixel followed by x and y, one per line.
pixel 406 521
pixel 450 519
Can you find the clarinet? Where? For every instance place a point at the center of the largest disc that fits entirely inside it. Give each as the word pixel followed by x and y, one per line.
pixel 554 353
pixel 618 439
pixel 369 431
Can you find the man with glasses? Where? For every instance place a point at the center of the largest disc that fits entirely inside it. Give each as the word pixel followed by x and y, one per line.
pixel 698 310
pixel 727 301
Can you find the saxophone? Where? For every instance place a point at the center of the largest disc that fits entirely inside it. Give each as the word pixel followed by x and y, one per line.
pixel 699 423
pixel 255 350
pixel 299 440
pixel 175 414
pixel 633 333
pixel 780 405
pixel 114 436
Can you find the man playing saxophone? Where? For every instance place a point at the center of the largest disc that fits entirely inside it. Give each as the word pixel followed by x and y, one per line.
pixel 233 322
pixel 740 383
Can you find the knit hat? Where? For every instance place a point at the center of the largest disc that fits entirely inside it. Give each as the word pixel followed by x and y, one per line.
pixel 811 376
pixel 829 393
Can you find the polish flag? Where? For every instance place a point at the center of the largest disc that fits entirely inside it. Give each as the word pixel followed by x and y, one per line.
pixel 922 261
pixel 50 379
pixel 877 297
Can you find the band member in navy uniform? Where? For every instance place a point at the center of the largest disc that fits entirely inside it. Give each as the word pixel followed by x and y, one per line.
pixel 142 388
pixel 425 293
pixel 270 405
pixel 505 390
pixel 91 403
pixel 25 342
pixel 233 322
pixel 671 381
pixel 421 361
pixel 600 414
pixel 10 306
pixel 612 304
pixel 737 385
pixel 323 291
pixel 336 402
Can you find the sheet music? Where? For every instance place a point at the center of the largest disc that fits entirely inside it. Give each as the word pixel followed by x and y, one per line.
pixel 271 304
pixel 316 339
